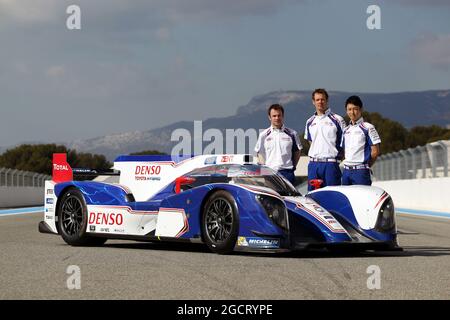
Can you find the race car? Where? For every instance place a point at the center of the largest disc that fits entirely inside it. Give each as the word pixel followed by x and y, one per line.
pixel 228 202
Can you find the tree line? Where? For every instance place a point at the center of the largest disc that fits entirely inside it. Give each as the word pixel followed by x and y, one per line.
pixel 395 137
pixel 38 158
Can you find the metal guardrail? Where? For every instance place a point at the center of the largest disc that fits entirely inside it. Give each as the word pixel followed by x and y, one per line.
pixel 429 161
pixel 18 178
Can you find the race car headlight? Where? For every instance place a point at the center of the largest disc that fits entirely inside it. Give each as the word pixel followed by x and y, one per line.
pixel 386 216
pixel 275 209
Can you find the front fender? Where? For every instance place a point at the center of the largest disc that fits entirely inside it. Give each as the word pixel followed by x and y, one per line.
pixel 358 205
pixel 310 218
pixel 252 217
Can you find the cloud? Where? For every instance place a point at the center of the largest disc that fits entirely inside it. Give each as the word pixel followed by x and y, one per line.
pixel 433 50
pixel 111 11
pixel 162 34
pixel 55 71
pixel 30 11
pixel 225 9
pixel 422 2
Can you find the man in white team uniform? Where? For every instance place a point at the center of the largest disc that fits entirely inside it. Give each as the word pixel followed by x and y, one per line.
pixel 324 131
pixel 361 143
pixel 278 147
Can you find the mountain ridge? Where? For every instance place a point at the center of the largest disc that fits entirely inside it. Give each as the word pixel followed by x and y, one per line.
pixel 410 108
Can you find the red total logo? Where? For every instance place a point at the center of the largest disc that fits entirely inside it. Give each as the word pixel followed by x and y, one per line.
pixel 101 218
pixel 60 167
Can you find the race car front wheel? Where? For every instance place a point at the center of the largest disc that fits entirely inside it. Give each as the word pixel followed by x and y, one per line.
pixel 72 220
pixel 220 222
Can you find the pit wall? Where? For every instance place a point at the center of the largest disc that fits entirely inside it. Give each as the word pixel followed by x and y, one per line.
pixel 419 194
pixel 11 197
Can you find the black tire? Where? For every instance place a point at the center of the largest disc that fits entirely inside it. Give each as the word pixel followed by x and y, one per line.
pixel 72 220
pixel 220 222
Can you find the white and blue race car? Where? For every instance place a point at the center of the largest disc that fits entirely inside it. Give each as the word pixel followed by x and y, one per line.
pixel 228 202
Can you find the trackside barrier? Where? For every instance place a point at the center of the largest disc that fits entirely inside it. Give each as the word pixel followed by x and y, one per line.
pixel 419 194
pixel 21 188
pixel 429 161
pixel 17 178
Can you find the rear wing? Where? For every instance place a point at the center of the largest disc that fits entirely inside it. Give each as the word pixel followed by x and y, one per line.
pixel 62 171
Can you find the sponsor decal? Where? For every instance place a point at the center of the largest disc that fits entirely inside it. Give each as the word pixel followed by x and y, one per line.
pixel 147 173
pixel 242 242
pixel 321 214
pixel 317 208
pixel 211 160
pixel 48 217
pixel 60 167
pixel 117 230
pixel 101 218
pixel 147 170
pixel 226 159
pixel 49 201
pixel 92 228
pixel 49 209
pixel 104 229
pixel 263 243
pixel 50 191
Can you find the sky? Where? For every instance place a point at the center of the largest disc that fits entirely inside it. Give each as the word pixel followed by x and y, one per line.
pixel 141 64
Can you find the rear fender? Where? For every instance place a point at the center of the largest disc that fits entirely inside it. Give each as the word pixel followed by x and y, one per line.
pixel 96 193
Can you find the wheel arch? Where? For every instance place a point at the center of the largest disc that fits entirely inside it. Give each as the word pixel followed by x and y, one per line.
pixel 202 207
pixel 62 192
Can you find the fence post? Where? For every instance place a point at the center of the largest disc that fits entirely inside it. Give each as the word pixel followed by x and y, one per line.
pixel 444 148
pixel 423 160
pixel 391 166
pixel 413 172
pixel 404 171
pixel 432 152
pixel 41 180
pixel 385 168
pixel 398 165
pixel 34 178
pixel 14 177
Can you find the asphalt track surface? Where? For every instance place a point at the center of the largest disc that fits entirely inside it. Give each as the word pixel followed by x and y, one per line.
pixel 34 265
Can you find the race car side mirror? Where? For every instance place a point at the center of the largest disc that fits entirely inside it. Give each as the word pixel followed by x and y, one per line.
pixel 316 183
pixel 181 181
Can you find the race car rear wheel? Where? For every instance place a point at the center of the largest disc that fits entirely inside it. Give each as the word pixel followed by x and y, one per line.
pixel 72 220
pixel 220 222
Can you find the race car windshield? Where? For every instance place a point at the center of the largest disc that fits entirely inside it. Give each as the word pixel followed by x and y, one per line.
pixel 254 175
